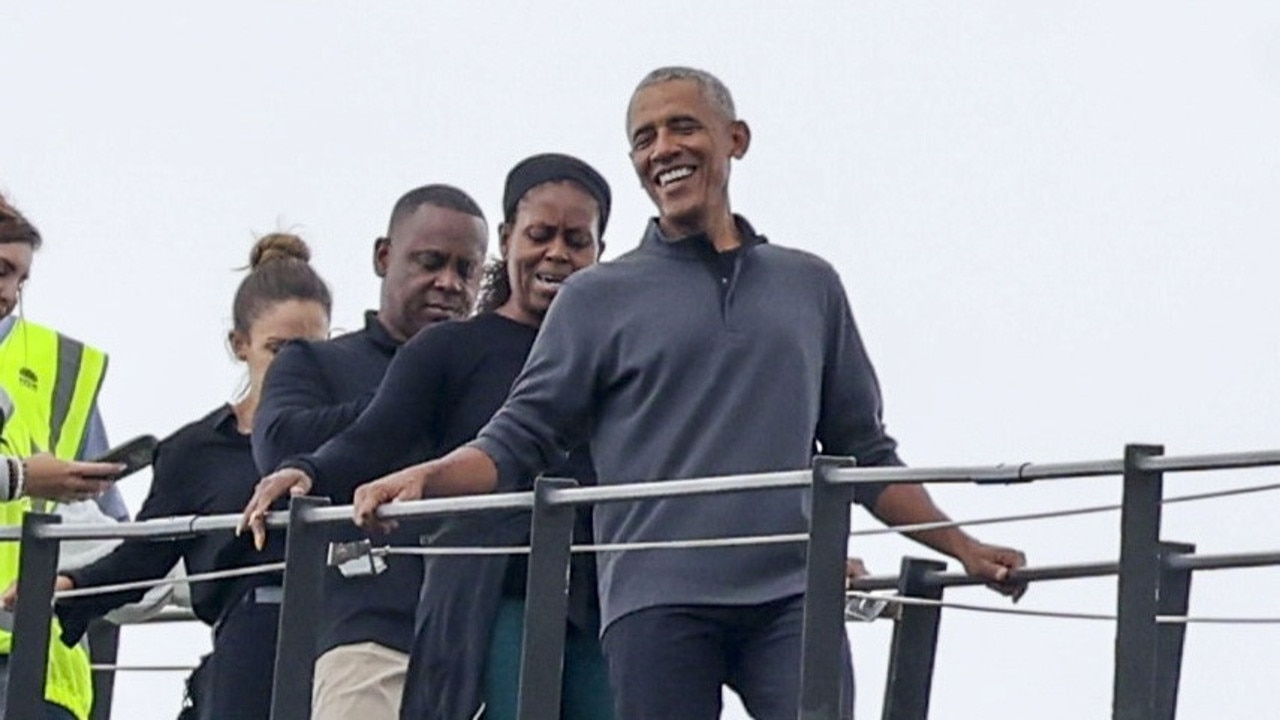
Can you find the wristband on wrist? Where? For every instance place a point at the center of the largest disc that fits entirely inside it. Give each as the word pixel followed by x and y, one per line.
pixel 6 479
pixel 19 469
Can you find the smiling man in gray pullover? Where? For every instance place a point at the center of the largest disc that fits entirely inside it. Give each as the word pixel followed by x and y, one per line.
pixel 706 351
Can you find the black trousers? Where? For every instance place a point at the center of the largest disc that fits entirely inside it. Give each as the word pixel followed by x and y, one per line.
pixel 241 666
pixel 671 661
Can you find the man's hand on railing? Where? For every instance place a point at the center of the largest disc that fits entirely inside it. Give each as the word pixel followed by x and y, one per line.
pixel 10 598
pixel 464 471
pixel 853 569
pixel 406 484
pixel 288 481
pixel 994 563
pixel 909 504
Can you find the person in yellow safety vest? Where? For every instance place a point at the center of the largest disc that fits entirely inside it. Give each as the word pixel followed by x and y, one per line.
pixel 53 382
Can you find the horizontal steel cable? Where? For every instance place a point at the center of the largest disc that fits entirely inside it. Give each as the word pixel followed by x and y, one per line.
pixel 1049 514
pixel 159 582
pixel 1062 615
pixel 610 547
pixel 108 667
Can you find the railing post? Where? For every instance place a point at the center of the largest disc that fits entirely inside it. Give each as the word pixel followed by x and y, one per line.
pixel 299 612
pixel 1175 598
pixel 29 655
pixel 915 643
pixel 822 666
pixel 1137 588
pixel 104 649
pixel 546 603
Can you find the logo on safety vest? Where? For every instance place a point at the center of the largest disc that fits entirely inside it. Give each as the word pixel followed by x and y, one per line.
pixel 28 378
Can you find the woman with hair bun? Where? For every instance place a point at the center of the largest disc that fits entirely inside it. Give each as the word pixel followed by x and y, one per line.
pixel 207 468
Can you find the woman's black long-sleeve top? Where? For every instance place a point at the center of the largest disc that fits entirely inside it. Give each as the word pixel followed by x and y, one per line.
pixel 439 391
pixel 204 468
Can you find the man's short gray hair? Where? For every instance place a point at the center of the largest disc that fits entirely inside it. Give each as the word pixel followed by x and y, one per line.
pixel 711 86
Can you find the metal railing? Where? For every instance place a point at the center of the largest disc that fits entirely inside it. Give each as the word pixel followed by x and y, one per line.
pixel 1154 579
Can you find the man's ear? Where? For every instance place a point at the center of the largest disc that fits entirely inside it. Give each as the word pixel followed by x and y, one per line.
pixel 381 251
pixel 740 135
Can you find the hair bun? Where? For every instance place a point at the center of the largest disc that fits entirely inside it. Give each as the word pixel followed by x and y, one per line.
pixel 7 211
pixel 278 246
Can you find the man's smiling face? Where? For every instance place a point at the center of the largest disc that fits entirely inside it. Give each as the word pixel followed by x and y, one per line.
pixel 681 146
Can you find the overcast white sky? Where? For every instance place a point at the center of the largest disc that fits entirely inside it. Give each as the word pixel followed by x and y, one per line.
pixel 1058 224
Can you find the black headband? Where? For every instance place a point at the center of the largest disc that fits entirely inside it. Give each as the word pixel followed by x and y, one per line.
pixel 552 167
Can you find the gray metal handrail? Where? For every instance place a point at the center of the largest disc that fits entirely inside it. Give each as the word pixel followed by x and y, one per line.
pixel 1147 655
pixel 161 528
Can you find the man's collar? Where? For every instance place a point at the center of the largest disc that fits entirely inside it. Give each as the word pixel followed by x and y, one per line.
pixel 378 332
pixel 698 245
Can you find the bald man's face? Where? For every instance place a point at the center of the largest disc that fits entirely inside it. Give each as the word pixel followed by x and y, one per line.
pixel 430 267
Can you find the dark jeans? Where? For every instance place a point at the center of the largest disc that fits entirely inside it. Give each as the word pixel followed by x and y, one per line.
pixel 671 661
pixel 242 664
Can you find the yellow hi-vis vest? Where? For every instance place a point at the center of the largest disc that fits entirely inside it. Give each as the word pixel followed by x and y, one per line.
pixel 54 383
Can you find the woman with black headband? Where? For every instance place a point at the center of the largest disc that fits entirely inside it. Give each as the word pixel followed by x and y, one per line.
pixel 439 391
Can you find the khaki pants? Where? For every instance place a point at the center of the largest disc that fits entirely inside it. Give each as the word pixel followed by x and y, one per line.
pixel 364 681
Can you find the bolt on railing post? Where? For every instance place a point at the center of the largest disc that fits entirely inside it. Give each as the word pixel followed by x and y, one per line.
pixel 822 664
pixel 1175 599
pixel 304 571
pixel 546 603
pixel 1137 589
pixel 29 655
pixel 915 643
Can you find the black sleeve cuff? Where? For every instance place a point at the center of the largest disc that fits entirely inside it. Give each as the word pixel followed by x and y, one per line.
pixel 303 463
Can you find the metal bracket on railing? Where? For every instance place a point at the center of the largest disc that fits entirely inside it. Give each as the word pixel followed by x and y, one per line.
pixel 37 566
pixel 1134 687
pixel 299 612
pixel 355 559
pixel 824 688
pixel 546 602
pixel 866 609
pixel 1174 599
pixel 915 643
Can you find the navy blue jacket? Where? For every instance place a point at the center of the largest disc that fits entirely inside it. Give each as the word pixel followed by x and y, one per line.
pixel 313 391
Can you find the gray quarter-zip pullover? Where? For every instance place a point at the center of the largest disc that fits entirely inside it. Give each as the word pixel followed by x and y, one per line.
pixel 672 368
